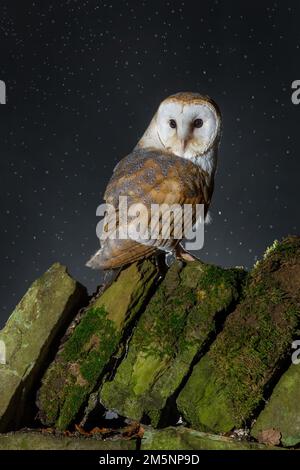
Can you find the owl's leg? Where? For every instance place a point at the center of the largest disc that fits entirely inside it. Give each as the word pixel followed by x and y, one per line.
pixel 170 258
pixel 160 261
pixel 181 253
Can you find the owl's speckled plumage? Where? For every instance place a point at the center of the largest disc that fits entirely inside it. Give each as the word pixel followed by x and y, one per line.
pixel 165 167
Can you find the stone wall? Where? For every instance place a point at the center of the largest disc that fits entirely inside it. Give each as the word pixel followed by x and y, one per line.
pixel 202 345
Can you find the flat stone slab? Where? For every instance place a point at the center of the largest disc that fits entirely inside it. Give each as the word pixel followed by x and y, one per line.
pixel 82 361
pixel 28 336
pixel 229 383
pixel 44 441
pixel 179 321
pixel 282 412
pixel 182 438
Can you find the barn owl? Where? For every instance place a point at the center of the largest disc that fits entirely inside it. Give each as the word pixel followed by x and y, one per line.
pixel 174 163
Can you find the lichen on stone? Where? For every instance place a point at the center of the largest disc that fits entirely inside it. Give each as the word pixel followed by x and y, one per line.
pixel 177 323
pixel 79 366
pixel 37 322
pixel 81 361
pixel 229 383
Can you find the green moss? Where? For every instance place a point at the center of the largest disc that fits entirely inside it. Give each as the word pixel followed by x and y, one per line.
pixel 74 398
pixel 203 402
pixel 37 440
pixel 278 252
pixel 245 367
pixel 94 319
pixel 127 295
pixel 181 438
pixel 283 409
pixel 177 323
pixel 81 361
pixel 29 334
pixel 80 365
pixel 254 341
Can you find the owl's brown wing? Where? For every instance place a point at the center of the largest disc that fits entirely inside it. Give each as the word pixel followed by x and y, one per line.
pixel 149 177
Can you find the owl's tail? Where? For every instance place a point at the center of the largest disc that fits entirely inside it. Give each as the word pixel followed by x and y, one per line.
pixel 96 261
pixel 114 255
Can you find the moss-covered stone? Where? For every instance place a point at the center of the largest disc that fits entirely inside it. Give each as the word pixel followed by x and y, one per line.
pixel 35 440
pixel 282 412
pixel 229 382
pixel 80 363
pixel 178 322
pixel 181 438
pixel 39 319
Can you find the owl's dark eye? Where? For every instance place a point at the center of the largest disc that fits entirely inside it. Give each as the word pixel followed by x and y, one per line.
pixel 172 123
pixel 198 123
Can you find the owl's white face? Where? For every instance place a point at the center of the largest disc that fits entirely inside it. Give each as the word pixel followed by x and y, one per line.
pixel 187 129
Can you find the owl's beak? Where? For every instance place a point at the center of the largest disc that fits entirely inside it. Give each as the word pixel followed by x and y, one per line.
pixel 183 144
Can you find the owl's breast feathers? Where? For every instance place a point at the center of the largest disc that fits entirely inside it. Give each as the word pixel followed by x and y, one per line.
pixel 151 177
pixel 154 177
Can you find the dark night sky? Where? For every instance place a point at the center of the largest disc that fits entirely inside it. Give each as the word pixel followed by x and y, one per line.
pixel 83 80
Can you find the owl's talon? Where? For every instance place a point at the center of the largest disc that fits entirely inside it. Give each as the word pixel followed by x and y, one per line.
pixel 187 257
pixel 184 255
pixel 170 259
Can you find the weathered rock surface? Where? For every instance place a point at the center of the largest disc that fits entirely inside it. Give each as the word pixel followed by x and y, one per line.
pixel 172 438
pixel 179 321
pixel 38 320
pixel 282 412
pixel 181 438
pixel 213 341
pixel 230 381
pixel 82 360
pixel 45 441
